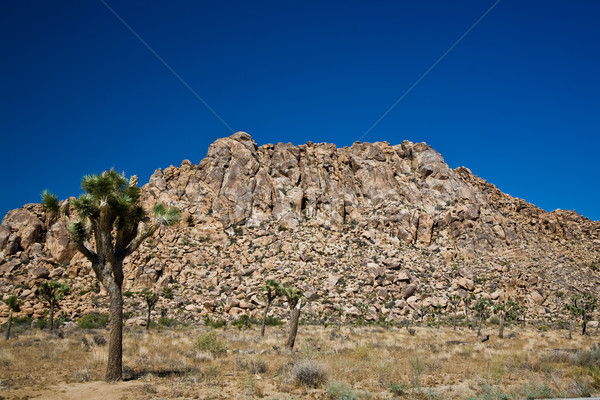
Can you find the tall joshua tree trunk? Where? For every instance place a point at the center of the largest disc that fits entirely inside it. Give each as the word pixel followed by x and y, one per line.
pixel 265 314
pixel 501 330
pixel 294 318
pixel 7 336
pixel 114 369
pixel 51 316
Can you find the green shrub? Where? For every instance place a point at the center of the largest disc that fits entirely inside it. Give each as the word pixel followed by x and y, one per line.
pixel 244 322
pixel 168 293
pixel 214 323
pixel 272 321
pixel 93 321
pixel 341 391
pixel 210 342
pixel 399 388
pixel 166 321
pixel 41 323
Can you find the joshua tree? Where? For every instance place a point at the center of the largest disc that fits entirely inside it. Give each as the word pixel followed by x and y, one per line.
pixel 467 300
pixel 506 311
pixel 422 312
pixel 482 309
pixel 438 312
pixel 294 297
pixel 454 300
pixel 53 292
pixel 150 297
pixel 272 290
pixel 111 225
pixel 13 305
pixel 582 306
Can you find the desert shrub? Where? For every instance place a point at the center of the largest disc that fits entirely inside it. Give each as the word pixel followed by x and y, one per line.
pixel 534 390
pixel 168 293
pixel 210 342
pixel 166 321
pixel 309 373
pixel 341 391
pixel 214 323
pixel 399 388
pixel 272 321
pixel 244 322
pixel 93 321
pixel 41 323
pixel 491 392
pixel 99 340
pixel 254 365
pixel 588 358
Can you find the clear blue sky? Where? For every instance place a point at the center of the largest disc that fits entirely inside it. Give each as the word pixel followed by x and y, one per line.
pixel 517 101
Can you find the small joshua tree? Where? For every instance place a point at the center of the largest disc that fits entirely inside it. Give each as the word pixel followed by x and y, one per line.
pixel 151 298
pixel 13 306
pixel 438 311
pixel 506 311
pixel 53 292
pixel 482 307
pixel 108 223
pixel 582 306
pixel 272 290
pixel 467 300
pixel 454 301
pixel 294 299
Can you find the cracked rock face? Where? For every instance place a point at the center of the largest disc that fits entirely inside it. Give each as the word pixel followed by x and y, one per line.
pixel 368 231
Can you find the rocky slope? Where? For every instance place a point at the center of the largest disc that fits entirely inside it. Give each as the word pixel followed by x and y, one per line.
pixel 371 231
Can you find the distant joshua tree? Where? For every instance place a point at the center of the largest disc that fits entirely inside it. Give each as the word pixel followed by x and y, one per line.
pixel 454 301
pixel 482 307
pixel 150 297
pixel 272 289
pixel 53 292
pixel 13 306
pixel 506 311
pixel 582 306
pixel 467 300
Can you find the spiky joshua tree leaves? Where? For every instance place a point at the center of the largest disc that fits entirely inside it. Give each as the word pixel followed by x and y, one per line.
pixel 107 224
pixel 272 289
pixel 53 292
pixel 13 304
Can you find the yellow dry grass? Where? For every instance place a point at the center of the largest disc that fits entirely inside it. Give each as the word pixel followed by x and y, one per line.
pixel 365 362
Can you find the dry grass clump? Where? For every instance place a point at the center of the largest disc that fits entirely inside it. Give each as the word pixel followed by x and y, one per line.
pixel 309 373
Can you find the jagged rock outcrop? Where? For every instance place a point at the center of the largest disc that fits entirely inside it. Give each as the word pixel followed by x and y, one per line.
pixel 371 231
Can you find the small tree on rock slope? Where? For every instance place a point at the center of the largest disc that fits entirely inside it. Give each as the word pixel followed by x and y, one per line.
pixel 151 298
pixel 110 225
pixel 272 290
pixel 13 304
pixel 53 292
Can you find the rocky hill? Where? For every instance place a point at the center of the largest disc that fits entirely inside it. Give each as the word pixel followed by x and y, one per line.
pixel 371 231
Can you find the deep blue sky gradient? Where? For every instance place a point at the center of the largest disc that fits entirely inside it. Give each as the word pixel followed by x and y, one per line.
pixel 517 101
